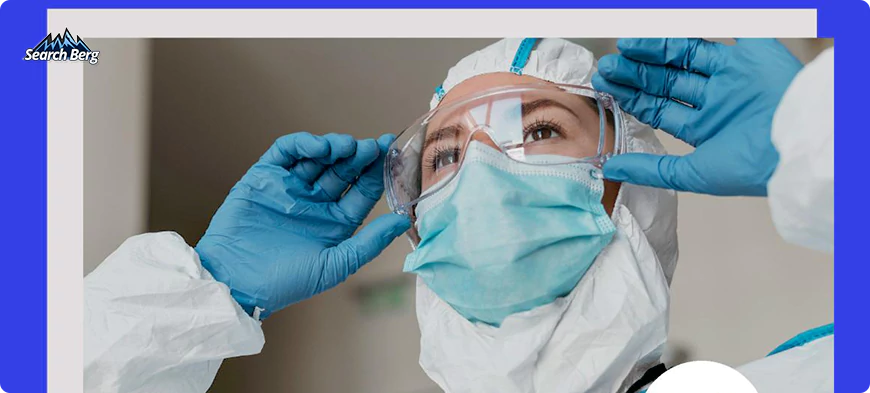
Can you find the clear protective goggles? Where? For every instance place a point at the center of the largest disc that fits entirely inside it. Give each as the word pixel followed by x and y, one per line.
pixel 575 123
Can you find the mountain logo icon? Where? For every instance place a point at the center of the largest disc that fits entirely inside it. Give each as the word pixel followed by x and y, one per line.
pixel 62 47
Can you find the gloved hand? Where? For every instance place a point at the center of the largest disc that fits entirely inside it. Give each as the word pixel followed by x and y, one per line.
pixel 732 93
pixel 284 232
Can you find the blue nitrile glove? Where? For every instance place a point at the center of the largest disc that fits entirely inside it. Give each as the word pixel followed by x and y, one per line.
pixel 732 93
pixel 284 233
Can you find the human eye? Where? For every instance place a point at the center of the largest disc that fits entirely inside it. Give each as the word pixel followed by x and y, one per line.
pixel 541 130
pixel 442 157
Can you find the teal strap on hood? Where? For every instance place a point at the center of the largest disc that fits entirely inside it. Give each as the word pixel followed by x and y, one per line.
pixel 804 338
pixel 522 56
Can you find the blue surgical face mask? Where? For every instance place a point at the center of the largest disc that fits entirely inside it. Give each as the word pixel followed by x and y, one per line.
pixel 505 237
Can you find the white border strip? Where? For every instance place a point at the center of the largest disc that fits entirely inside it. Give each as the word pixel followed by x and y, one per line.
pixel 65 89
pixel 449 23
pixel 65 226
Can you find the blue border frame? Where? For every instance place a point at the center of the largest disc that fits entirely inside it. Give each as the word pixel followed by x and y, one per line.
pixel 23 196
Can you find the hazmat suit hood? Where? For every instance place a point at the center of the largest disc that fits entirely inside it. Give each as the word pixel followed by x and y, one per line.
pixel 611 328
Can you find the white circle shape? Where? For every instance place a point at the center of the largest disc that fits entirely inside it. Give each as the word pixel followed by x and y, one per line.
pixel 702 377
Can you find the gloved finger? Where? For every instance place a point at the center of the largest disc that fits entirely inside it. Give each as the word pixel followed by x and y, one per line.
pixel 692 54
pixel 662 81
pixel 289 149
pixel 348 256
pixel 659 112
pixel 307 170
pixel 340 146
pixel 336 178
pixel 368 188
pixel 671 172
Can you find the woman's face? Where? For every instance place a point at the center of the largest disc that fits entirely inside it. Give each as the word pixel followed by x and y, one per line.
pixel 570 123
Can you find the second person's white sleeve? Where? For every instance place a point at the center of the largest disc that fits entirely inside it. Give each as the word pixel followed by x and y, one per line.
pixel 801 190
pixel 156 321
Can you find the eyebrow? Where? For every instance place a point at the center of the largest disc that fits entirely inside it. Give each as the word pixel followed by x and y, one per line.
pixel 530 107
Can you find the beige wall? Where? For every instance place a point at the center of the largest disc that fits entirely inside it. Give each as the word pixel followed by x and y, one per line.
pixel 116 121
pixel 216 105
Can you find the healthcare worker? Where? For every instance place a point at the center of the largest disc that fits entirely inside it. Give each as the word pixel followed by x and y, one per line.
pixel 161 316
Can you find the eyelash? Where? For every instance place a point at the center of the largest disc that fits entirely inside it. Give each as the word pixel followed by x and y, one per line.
pixel 541 123
pixel 554 126
pixel 432 159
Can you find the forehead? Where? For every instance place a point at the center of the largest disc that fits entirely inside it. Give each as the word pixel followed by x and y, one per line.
pixel 483 82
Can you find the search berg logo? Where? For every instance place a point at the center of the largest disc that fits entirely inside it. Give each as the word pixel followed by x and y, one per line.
pixel 63 47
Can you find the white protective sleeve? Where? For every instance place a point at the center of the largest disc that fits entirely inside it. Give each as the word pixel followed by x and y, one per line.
pixel 805 369
pixel 801 190
pixel 156 321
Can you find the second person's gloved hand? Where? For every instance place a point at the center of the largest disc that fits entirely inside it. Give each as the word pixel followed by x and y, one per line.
pixel 732 93
pixel 284 233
